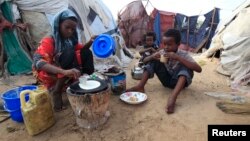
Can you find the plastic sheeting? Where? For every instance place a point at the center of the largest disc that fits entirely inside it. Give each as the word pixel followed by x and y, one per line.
pixel 94 28
pixel 160 22
pixel 133 23
pixel 193 36
pixel 96 24
pixel 46 6
pixel 95 19
pixel 235 43
pixel 157 28
pixel 39 26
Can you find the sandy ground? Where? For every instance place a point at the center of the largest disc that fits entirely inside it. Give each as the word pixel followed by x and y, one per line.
pixel 145 122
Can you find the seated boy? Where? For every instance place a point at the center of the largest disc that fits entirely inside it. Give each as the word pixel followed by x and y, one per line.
pixel 150 47
pixel 177 73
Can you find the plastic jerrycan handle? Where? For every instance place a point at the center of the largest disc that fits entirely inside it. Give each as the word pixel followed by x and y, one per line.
pixel 22 97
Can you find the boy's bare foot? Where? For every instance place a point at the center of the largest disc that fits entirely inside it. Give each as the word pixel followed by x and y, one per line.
pixel 171 105
pixel 136 89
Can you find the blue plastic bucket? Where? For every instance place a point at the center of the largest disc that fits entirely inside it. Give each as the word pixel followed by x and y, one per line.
pixel 104 46
pixel 11 98
pixel 118 83
pixel 15 115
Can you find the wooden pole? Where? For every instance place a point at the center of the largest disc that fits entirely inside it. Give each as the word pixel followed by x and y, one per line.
pixel 211 26
pixel 207 38
pixel 1 56
pixel 188 31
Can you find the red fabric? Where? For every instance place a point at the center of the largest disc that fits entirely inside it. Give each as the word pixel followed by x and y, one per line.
pixel 4 24
pixel 46 50
pixel 167 20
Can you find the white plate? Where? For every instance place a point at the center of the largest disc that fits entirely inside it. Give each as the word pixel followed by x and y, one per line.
pixel 133 97
pixel 90 84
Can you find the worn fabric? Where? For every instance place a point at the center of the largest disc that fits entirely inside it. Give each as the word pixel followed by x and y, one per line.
pixel 193 36
pixel 40 25
pixel 18 60
pixel 157 28
pixel 133 23
pixel 168 79
pixel 234 41
pixel 169 73
pixel 44 6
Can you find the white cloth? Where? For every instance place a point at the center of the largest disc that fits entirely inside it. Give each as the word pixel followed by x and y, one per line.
pixel 46 6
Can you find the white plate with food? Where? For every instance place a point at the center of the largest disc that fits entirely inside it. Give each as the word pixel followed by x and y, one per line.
pixel 133 97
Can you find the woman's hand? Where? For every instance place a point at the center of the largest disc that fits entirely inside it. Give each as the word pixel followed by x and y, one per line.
pixel 93 38
pixel 89 43
pixel 72 73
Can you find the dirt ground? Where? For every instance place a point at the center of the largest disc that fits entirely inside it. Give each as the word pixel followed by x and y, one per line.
pixel 144 122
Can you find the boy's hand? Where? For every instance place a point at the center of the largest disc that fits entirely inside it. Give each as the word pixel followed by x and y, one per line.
pixel 171 55
pixel 152 50
pixel 156 56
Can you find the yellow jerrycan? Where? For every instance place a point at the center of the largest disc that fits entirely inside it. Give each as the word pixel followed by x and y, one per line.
pixel 37 112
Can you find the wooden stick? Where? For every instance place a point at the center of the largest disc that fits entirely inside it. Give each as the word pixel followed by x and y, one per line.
pixel 201 45
pixel 188 32
pixel 1 56
pixel 211 26
pixel 212 57
pixel 4 119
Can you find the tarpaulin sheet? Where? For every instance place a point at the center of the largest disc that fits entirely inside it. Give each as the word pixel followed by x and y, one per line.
pixel 193 36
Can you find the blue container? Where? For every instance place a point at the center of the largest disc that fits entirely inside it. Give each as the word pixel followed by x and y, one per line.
pixel 15 115
pixel 104 46
pixel 11 98
pixel 118 83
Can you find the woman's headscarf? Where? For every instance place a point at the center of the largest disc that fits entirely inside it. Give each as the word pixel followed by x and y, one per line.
pixel 61 44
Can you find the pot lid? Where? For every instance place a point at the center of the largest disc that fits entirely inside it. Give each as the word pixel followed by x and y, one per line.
pixel 92 86
pixel 103 46
pixel 138 68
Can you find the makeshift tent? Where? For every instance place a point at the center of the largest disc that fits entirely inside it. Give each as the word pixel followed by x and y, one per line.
pixel 95 18
pixel 194 36
pixel 233 39
pixel 133 23
pixel 160 22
